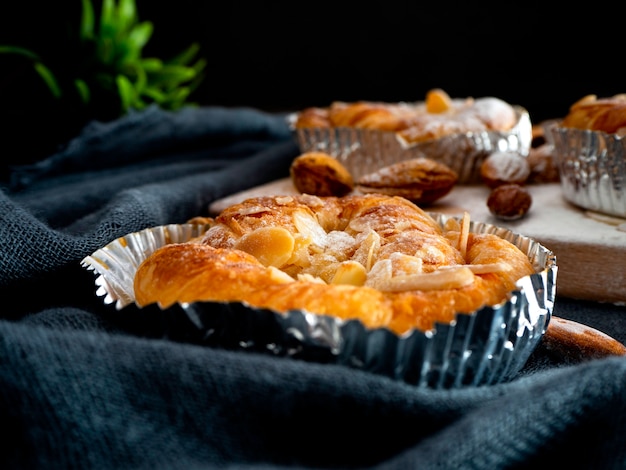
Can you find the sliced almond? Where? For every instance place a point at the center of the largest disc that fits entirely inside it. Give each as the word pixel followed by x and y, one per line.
pixel 367 252
pixel 483 268
pixel 463 237
pixel 438 101
pixel 440 279
pixel 272 246
pixel 351 273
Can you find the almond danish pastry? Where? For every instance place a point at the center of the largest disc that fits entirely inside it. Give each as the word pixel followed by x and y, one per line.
pixel 438 116
pixel 380 259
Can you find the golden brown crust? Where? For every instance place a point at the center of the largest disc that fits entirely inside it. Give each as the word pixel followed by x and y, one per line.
pixel 179 270
pixel 368 115
pixel 598 114
pixel 377 258
pixel 313 117
pixel 189 272
pixel 420 180
pixel 438 116
pixel 577 342
pixel 320 174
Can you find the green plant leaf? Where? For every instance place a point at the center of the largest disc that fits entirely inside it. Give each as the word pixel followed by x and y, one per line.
pixel 87 21
pixel 49 78
pixel 125 54
pixel 172 75
pixel 139 35
pixel 151 64
pixel 199 65
pixel 19 51
pixel 170 101
pixel 141 78
pixel 154 94
pixel 126 91
pixel 106 50
pixel 107 20
pixel 109 65
pixel 186 56
pixel 126 15
pixel 83 90
pixel 177 97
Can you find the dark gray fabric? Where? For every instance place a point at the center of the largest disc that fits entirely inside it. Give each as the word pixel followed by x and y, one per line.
pixel 83 385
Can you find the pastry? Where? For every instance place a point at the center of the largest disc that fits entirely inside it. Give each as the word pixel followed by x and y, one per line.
pixel 438 116
pixel 504 168
pixel 376 258
pixel 598 114
pixel 588 147
pixel 320 174
pixel 420 180
pixel 543 165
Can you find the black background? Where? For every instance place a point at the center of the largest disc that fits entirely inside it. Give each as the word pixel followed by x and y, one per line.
pixel 286 55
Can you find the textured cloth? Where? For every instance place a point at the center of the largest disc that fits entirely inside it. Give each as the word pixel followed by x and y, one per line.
pixel 84 386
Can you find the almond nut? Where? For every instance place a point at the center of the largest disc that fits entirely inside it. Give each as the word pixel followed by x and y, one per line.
pixel 320 174
pixel 420 180
pixel 509 201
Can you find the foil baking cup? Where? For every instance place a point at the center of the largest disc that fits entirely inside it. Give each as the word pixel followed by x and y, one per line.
pixel 364 151
pixel 592 168
pixel 488 346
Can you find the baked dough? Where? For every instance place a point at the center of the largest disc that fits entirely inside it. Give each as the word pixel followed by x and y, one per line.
pixel 598 114
pixel 438 116
pixel 380 259
pixel 320 174
pixel 420 180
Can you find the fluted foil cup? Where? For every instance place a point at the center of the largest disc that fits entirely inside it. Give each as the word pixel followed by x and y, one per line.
pixel 485 347
pixel 592 168
pixel 364 151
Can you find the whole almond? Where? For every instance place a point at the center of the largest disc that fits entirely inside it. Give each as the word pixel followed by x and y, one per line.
pixel 509 201
pixel 420 180
pixel 320 174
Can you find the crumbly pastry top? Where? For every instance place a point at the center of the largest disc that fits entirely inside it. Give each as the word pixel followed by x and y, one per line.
pixel 380 259
pixel 438 116
pixel 598 114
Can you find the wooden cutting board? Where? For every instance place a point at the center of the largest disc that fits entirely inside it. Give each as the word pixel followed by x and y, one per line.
pixel 590 248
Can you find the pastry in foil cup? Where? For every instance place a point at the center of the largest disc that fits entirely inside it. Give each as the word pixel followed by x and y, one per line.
pixel 364 151
pixel 488 346
pixel 118 261
pixel 592 168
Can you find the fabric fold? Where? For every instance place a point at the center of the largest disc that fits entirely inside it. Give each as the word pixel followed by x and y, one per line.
pixel 137 403
pixel 83 385
pixel 153 133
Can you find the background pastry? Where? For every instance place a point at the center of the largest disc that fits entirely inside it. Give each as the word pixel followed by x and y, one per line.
pixel 320 174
